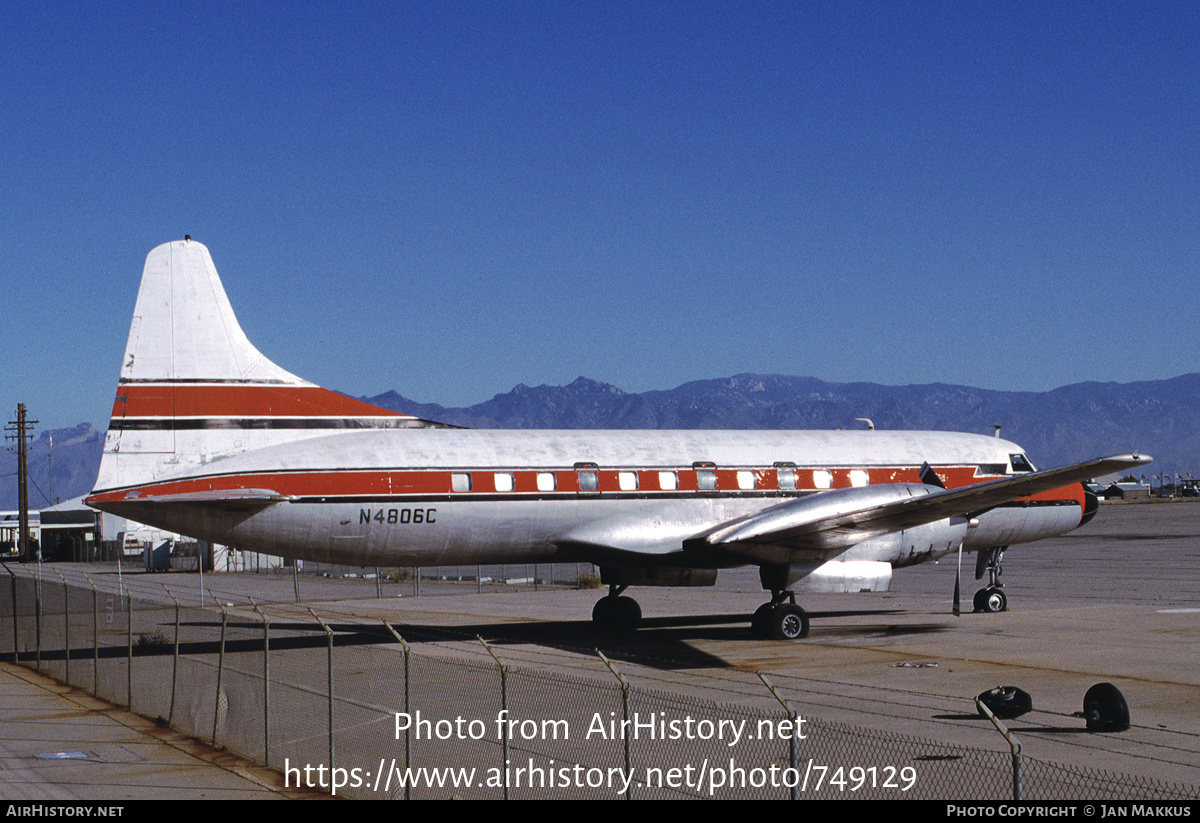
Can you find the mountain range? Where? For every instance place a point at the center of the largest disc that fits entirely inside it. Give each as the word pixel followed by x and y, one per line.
pixel 1065 425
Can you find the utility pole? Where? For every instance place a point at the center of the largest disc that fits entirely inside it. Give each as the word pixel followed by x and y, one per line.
pixel 19 429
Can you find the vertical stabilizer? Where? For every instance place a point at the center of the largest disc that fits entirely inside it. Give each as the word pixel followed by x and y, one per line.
pixel 184 329
pixel 194 389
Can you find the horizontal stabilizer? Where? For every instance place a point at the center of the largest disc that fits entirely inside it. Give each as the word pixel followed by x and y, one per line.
pixel 214 496
pixel 136 506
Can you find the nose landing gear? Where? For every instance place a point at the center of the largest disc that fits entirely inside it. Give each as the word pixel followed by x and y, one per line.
pixel 992 599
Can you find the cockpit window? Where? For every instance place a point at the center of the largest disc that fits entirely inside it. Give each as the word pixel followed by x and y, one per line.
pixel 1020 463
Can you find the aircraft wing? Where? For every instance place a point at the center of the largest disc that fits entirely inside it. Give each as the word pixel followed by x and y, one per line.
pixel 822 526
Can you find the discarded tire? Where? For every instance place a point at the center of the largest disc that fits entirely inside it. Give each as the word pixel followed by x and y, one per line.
pixel 1105 709
pixel 1006 702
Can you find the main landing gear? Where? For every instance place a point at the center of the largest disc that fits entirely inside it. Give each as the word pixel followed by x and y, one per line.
pixel 992 599
pixel 615 614
pixel 779 620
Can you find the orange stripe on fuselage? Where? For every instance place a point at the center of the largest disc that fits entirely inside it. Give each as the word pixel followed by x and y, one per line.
pixel 385 483
pixel 166 401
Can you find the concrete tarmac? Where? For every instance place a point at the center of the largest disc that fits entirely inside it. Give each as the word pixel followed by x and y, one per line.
pixel 62 745
pixel 1116 601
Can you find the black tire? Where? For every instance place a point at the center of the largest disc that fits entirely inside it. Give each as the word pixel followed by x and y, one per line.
pixel 760 624
pixel 630 611
pixel 978 601
pixel 616 615
pixel 1105 709
pixel 789 622
pixel 994 600
pixel 1006 702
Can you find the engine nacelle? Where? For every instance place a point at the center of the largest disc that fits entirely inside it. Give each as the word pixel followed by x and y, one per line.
pixel 849 576
pixel 919 544
pixel 867 566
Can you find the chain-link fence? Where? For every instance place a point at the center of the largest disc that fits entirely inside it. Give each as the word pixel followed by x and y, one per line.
pixel 353 709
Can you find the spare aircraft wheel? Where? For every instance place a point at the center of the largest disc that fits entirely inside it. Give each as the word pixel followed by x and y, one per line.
pixel 1006 702
pixel 789 622
pixel 1105 709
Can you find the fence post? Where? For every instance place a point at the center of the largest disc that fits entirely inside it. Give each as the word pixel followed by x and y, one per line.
pixel 266 684
pixel 66 628
pixel 1014 746
pixel 128 647
pixel 174 658
pixel 792 717
pixel 329 680
pixel 625 687
pixel 95 637
pixel 407 707
pixel 220 670
pixel 37 616
pixel 503 708
pixel 13 580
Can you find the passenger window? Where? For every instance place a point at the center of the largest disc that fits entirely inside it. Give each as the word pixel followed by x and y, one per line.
pixel 858 477
pixel 460 482
pixel 546 481
pixel 823 479
pixel 787 478
pixel 628 481
pixel 589 481
pixel 746 480
pixel 706 480
pixel 668 481
pixel 504 482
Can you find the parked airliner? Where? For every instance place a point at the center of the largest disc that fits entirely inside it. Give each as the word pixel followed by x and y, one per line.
pixel 210 439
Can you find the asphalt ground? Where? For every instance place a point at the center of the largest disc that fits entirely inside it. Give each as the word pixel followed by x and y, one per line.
pixel 1116 601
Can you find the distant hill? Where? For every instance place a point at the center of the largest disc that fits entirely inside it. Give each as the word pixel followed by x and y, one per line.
pixel 1069 424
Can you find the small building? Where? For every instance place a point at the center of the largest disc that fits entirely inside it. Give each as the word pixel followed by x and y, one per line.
pixel 10 530
pixel 70 531
pixel 1126 491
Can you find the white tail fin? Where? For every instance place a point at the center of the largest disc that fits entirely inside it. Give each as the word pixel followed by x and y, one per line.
pixel 193 389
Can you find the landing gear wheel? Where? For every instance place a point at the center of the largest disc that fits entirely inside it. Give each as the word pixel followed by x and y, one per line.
pixel 617 615
pixel 760 624
pixel 788 622
pixel 991 600
pixel 1105 709
pixel 1006 702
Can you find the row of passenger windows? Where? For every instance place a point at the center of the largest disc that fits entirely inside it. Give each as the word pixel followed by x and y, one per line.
pixel 706 480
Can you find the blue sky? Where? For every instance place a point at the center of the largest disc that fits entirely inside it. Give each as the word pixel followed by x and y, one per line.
pixel 448 199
